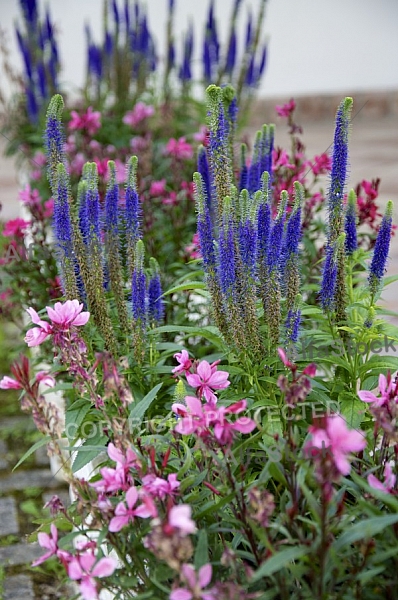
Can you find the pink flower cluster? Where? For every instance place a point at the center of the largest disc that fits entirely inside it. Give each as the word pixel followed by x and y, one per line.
pixel 285 110
pixel 31 198
pixel 64 317
pixel 89 121
pixel 195 584
pixel 82 567
pixel 179 149
pixel 204 419
pixel 16 228
pixel 335 442
pixel 140 112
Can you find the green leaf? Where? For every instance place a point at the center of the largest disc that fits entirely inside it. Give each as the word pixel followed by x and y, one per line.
pixel 139 409
pixel 278 561
pixel 202 550
pixel 32 449
pixel 352 409
pixel 192 285
pixel 88 451
pixel 364 529
pixel 75 415
pixel 59 387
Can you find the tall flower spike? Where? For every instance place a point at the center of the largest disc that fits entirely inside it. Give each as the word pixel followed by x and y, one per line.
pixel 329 274
pixel 276 236
pixel 255 166
pixel 243 174
pixel 338 173
pixel 112 246
pixel 132 212
pixel 138 295
pixel 138 302
pixel 63 232
pixel 203 169
pixel 291 248
pixel 230 111
pixel 267 147
pixel 54 139
pixel 220 159
pixel 205 228
pixel 155 300
pixel 350 224
pixel 381 250
pixel 226 253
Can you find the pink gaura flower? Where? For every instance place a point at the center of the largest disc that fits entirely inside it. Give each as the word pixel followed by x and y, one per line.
pixel 7 383
pixel 196 582
pixel 63 316
pixel 49 209
pixel 385 388
pixel 179 518
pixel 370 189
pixel 114 480
pixel 140 112
pixel 171 199
pixel 90 121
pixel 225 430
pixel 102 166
pixel 179 149
pixel 193 249
pixel 202 136
pixel 29 197
pixel 285 110
pixel 84 569
pixel 66 314
pixel 46 379
pixel 338 439
pixel 280 158
pixel 185 362
pixel 158 188
pixel 389 480
pixel 126 514
pixel 50 543
pixel 15 228
pixel 206 379
pixel 322 164
pixel 160 488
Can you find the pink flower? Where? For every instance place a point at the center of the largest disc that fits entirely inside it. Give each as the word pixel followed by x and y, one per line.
pixel 66 314
pixel 285 110
pixel 49 209
pixel 140 112
pixel 338 439
pixel 179 517
pixel 185 362
pixel 121 173
pixel 29 196
pixel 225 430
pixel 83 569
pixel 15 228
pixel 171 199
pixel 195 584
pixel 179 149
pixel 102 166
pixel 77 163
pixel 280 158
pixel 207 379
pixel 389 481
pixel 322 164
pixel 193 249
pixel 45 378
pixel 63 316
pixel 385 388
pixel 49 542
pixel 158 188
pixel 285 360
pixel 370 189
pixel 114 480
pixel 90 121
pixel 7 383
pixel 160 488
pixel 124 515
pixel 202 135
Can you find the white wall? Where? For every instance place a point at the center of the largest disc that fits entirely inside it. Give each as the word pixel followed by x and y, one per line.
pixel 316 46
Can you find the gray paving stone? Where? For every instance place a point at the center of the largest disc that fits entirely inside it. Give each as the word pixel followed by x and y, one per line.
pixel 18 587
pixel 41 456
pixel 3 464
pixel 8 516
pixel 19 554
pixel 3 447
pixel 20 480
pixel 20 422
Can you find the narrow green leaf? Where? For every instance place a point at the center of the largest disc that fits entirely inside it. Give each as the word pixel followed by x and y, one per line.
pixel 32 449
pixel 139 409
pixel 364 529
pixel 191 285
pixel 202 550
pixel 278 561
